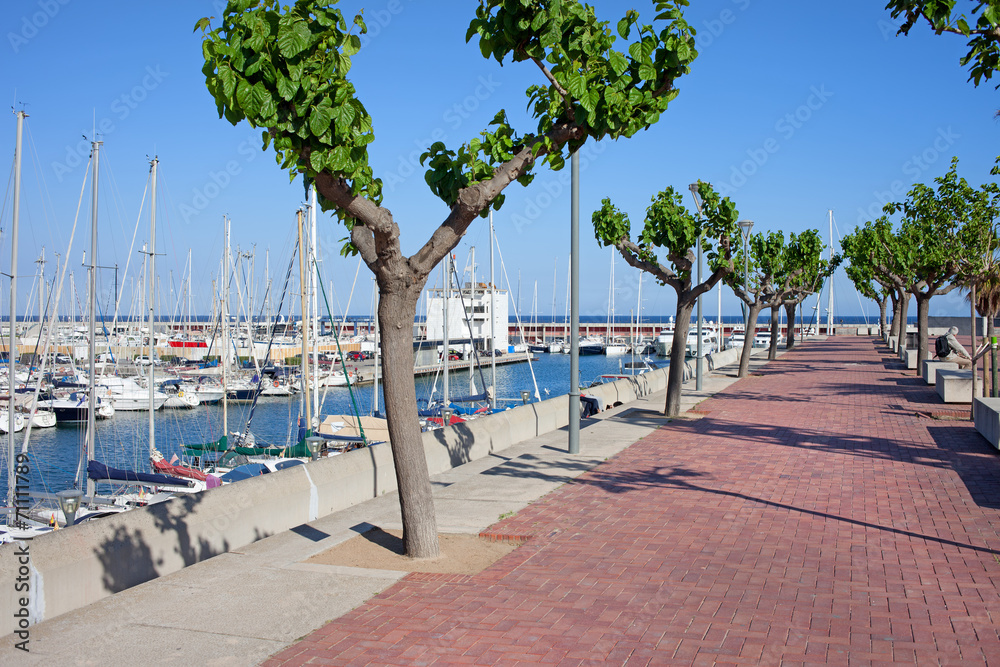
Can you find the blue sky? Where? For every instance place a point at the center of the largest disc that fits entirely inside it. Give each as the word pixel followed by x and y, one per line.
pixel 791 113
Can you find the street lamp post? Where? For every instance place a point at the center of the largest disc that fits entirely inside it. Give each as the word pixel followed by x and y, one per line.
pixel 746 226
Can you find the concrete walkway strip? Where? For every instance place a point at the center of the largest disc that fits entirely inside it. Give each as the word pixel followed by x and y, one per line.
pixel 241 607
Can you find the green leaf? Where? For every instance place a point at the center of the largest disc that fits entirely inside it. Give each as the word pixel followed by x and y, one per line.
pixel 577 86
pixel 618 62
pixel 352 45
pixel 319 119
pixel 286 88
pixel 246 99
pixel 635 50
pixel 294 38
pixel 624 27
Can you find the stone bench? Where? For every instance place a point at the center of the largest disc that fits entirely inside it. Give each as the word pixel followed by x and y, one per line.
pixel 930 368
pixel 909 356
pixel 987 419
pixel 956 386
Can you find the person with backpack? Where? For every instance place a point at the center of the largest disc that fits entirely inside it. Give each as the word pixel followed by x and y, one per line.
pixel 947 348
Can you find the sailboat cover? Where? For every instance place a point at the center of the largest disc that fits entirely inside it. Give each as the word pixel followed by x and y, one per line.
pixel 98 471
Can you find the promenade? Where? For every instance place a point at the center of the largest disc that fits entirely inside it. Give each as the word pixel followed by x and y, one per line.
pixel 811 513
pixel 810 516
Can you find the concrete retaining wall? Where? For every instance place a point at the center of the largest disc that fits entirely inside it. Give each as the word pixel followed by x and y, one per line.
pixel 74 567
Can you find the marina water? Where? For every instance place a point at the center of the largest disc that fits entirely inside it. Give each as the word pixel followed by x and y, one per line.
pixel 123 441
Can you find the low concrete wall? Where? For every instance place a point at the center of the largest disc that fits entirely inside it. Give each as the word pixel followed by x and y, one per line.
pixel 987 419
pixel 74 567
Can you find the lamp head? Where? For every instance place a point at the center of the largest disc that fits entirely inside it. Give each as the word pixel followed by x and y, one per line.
pixel 69 503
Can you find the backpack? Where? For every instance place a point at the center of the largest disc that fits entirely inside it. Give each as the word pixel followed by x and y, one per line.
pixel 941 346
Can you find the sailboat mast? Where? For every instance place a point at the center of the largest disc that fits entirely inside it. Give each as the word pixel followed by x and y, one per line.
pixel 224 318
pixel 307 403
pixel 91 319
pixel 150 291
pixel 12 347
pixel 187 328
pixel 314 290
pixel 552 313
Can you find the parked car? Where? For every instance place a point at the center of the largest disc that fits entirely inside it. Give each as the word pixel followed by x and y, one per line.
pixel 143 360
pixel 356 355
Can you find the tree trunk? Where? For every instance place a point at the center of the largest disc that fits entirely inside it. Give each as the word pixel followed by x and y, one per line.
pixel 990 333
pixel 904 306
pixel 772 352
pixel 923 306
pixel 396 313
pixel 882 323
pixel 894 331
pixel 748 340
pixel 678 350
pixel 790 317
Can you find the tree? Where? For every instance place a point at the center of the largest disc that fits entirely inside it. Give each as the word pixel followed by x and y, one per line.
pixel 872 250
pixel 809 280
pixel 944 232
pixel 983 56
pixel 779 274
pixel 801 270
pixel 752 281
pixel 671 227
pixel 869 284
pixel 285 69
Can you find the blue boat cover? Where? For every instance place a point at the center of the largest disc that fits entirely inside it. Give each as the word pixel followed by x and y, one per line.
pixel 98 471
pixel 245 471
pixel 281 465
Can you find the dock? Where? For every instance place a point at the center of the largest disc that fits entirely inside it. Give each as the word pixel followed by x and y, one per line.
pixel 365 370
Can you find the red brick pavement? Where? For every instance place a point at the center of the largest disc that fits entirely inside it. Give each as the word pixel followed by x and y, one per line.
pixel 810 517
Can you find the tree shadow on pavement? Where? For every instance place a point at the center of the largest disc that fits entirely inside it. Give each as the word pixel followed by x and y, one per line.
pixel 631 480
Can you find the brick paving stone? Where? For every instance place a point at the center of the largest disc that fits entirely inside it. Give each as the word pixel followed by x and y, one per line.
pixel 814 514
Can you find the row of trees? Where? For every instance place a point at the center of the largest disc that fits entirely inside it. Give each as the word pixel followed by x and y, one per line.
pixel 773 274
pixel 946 238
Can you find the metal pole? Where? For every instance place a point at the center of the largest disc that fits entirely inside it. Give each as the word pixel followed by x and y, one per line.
pixel 574 307
pixel 493 320
pixel 699 351
pixel 378 349
pixel 829 310
pixel 445 343
pixel 747 336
